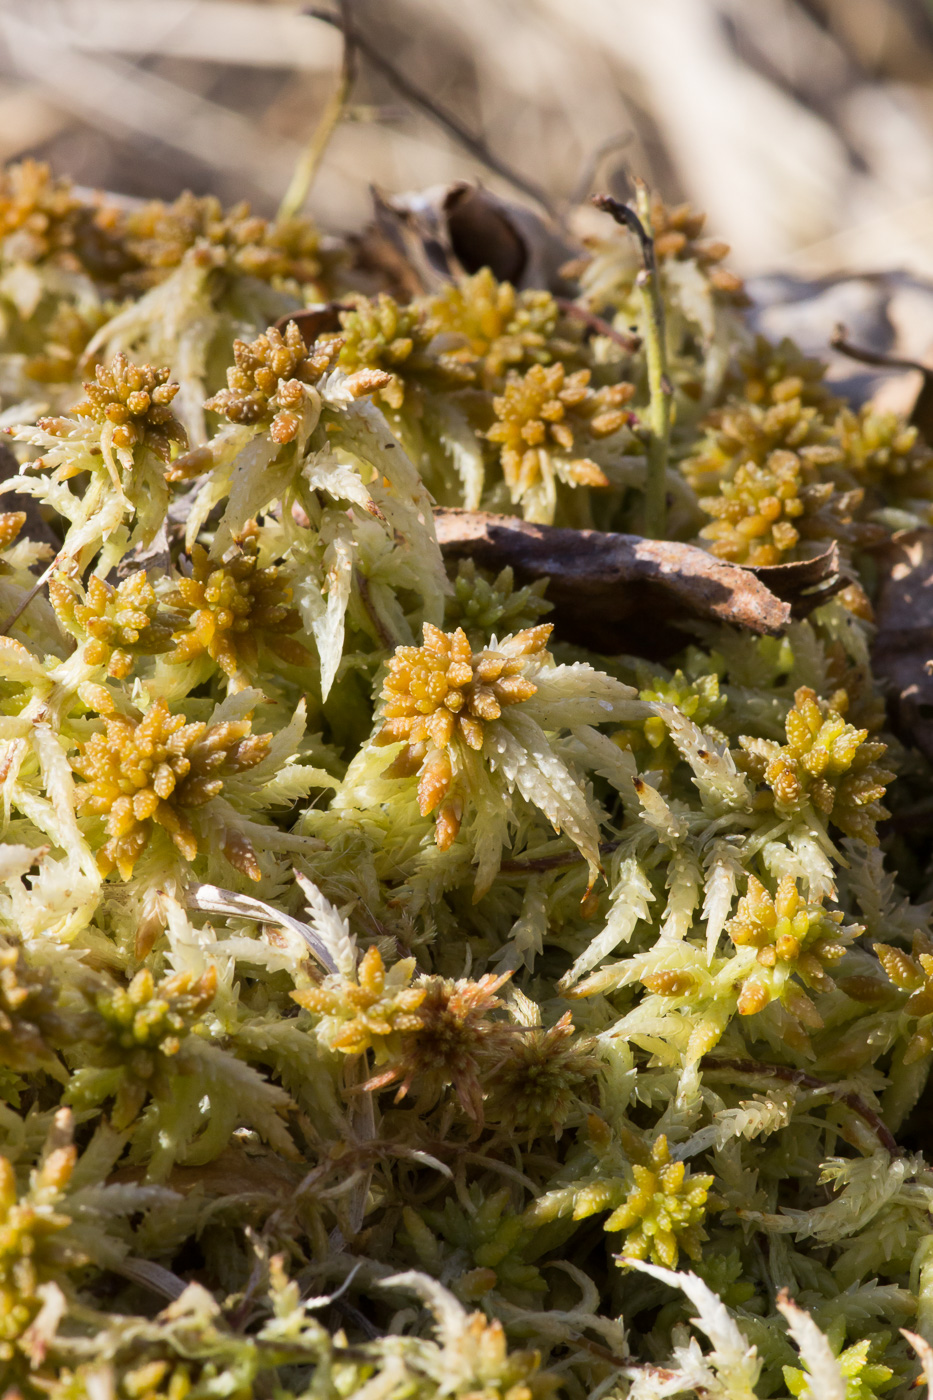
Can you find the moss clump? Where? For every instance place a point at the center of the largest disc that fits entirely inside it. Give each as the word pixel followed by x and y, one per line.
pixel 398 998
pixel 153 770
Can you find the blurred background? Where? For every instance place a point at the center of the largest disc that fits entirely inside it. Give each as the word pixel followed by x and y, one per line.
pixel 803 127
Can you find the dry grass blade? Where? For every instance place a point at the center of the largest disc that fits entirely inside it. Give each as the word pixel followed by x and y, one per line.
pixel 107 92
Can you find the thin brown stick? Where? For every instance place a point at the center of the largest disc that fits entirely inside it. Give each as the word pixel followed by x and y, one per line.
pixel 627 217
pixel 839 341
pixel 419 98
pixel 809 1081
pixel 631 343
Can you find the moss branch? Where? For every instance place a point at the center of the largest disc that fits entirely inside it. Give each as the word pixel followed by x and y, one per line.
pixel 809 1081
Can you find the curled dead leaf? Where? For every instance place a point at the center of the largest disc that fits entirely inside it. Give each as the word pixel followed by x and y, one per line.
pixel 804 583
pixel 449 230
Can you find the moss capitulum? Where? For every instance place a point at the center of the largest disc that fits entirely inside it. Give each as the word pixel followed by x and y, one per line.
pixel 154 771
pixel 440 695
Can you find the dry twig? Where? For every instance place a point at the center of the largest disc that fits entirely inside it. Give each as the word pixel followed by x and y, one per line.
pixel 423 100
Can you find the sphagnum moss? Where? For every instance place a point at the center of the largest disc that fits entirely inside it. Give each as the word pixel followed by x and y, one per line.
pixel 30 1022
pixel 234 608
pixel 305 1016
pixel 117 623
pixel 45 223
pixel 913 973
pixel 139 1033
pixel 790 937
pixel 382 335
pixel 663 1211
pixel 31 1254
pixel 371 1008
pixel 493 328
pixel 266 380
pixel 160 236
pixel 155 770
pixel 826 762
pixel 544 423
pixel 136 400
pixel 439 696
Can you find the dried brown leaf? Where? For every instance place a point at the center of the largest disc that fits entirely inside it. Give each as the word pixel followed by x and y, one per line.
pixel 451 230
pixel 312 321
pixel 804 583
pixel 617 593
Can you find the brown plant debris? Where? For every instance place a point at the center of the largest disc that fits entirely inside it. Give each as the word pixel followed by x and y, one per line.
pixel 234 607
pixel 623 593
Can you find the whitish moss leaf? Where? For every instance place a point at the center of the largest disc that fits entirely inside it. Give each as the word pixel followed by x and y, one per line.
pixel 825 1380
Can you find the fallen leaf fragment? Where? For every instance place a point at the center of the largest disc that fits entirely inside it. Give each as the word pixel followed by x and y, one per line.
pixel 804 583
pixel 621 593
pixel 323 318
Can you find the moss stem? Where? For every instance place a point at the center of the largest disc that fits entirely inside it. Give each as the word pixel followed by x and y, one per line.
pixel 659 385
pixel 299 187
pixel 655 338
